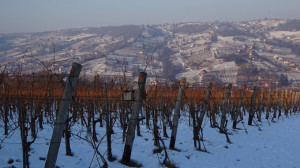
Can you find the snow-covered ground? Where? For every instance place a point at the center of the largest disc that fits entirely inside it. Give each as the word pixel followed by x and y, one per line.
pixel 271 144
pixel 282 34
pixel 191 76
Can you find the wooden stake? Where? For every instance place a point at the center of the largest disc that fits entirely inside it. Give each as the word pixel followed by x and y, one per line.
pixel 62 115
pixel 177 113
pixel 134 118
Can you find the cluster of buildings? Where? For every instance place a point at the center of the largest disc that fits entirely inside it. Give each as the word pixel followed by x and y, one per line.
pixel 287 62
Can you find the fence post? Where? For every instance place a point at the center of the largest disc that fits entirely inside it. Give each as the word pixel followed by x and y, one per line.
pixel 252 104
pixel 202 114
pixel 281 103
pixel 108 124
pixel 238 110
pixel 134 118
pixel 62 115
pixel 225 109
pixel 268 104
pixel 177 113
pixel 22 120
pixel 275 103
pixel 297 100
pixel 5 108
pixel 293 100
pixel 286 103
pixel 206 101
pixel 261 105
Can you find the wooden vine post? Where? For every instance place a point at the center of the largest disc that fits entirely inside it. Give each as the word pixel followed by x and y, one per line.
pixel 275 105
pixel 134 118
pixel 238 108
pixel 62 115
pixel 202 114
pixel 268 104
pixel 5 108
pixel 252 106
pixel 205 106
pixel 225 109
pixel 177 113
pixel 281 103
pixel 261 107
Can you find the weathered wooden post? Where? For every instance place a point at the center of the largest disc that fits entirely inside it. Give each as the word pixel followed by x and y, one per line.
pixel 32 114
pixel 89 111
pixel 238 110
pixel 62 115
pixel 261 107
pixel 268 104
pixel 93 110
pixel 293 101
pixel 206 101
pixel 275 105
pixel 134 118
pixel 225 109
pixel 297 99
pixel 5 108
pixel 22 120
pixel 177 113
pixel 252 104
pixel 286 103
pixel 202 114
pixel 281 103
pixel 108 124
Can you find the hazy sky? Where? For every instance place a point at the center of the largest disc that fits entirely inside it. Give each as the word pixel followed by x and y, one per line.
pixel 43 15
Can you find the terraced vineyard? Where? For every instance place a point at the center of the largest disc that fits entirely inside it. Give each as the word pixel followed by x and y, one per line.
pixel 32 102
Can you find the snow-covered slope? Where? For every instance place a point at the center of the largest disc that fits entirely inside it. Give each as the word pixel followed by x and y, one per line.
pixel 271 144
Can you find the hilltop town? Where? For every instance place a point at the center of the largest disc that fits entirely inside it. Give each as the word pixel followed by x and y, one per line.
pixel 262 52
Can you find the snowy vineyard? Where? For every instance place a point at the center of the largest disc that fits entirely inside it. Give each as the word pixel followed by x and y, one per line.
pixel 175 126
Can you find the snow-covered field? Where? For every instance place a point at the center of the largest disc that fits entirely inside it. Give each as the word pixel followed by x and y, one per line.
pixel 282 34
pixel 271 144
